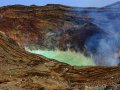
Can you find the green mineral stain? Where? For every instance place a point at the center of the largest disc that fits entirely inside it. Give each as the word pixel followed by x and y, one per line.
pixel 69 57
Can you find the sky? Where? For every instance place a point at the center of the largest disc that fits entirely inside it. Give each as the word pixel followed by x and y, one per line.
pixel 77 3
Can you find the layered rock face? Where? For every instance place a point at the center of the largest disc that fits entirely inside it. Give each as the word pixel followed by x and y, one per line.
pixel 21 70
pixel 49 27
pixel 46 27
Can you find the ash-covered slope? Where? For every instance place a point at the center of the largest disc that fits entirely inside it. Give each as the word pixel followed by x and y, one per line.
pixel 21 70
pixel 24 71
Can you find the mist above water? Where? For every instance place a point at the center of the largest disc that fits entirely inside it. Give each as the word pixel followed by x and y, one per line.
pixel 106 48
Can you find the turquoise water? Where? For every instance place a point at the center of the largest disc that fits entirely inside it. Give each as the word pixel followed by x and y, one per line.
pixel 72 58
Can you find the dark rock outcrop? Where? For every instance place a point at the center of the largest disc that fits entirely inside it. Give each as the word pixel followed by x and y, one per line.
pixel 75 39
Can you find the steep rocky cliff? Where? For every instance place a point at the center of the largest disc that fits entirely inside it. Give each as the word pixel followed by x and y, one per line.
pixel 45 27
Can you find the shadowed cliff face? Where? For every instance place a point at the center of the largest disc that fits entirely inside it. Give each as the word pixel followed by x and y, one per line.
pixel 21 70
pixel 44 27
